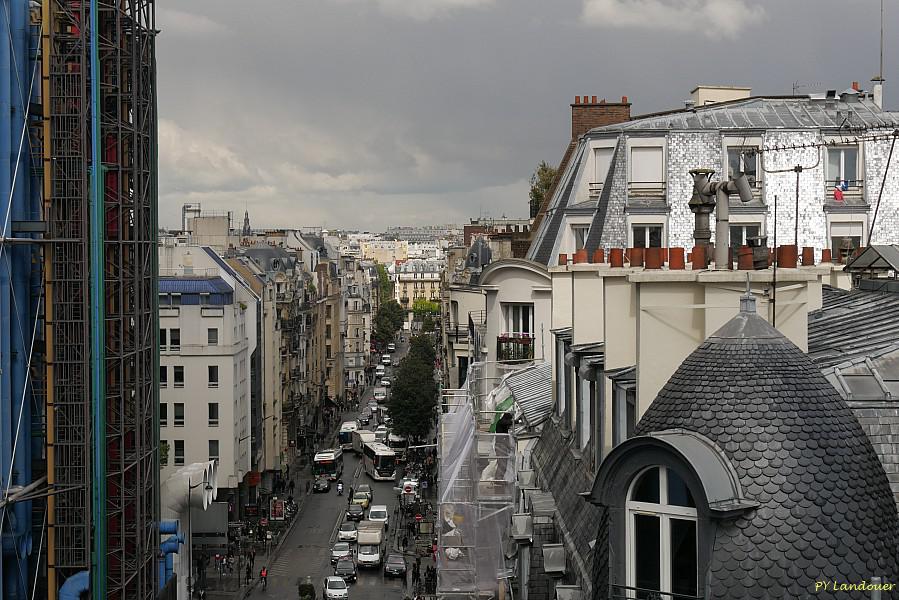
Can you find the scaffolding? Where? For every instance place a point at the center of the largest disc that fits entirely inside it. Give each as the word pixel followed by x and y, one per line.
pixel 123 557
pixel 476 493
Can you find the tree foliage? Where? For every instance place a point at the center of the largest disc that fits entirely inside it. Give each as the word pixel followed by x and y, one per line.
pixel 422 308
pixel 385 287
pixel 541 180
pixel 414 392
pixel 387 322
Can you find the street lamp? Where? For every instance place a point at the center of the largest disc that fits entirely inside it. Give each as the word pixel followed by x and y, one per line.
pixel 190 539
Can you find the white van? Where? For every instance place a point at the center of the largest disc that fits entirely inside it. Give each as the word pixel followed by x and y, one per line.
pixel 380 371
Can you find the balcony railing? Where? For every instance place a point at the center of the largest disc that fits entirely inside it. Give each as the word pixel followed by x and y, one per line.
pixel 515 346
pixel 623 592
pixel 646 189
pixel 596 188
pixel 456 331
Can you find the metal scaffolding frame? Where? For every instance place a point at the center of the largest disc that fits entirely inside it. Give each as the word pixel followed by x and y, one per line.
pixel 125 47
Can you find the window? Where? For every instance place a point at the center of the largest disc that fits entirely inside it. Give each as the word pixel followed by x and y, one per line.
pixel 163 453
pixel 647 236
pixel 584 407
pixel 579 232
pixel 845 239
pixel 661 535
pixel 179 414
pixel 175 339
pixel 520 319
pixel 739 234
pixel 624 412
pixel 598 418
pixel 179 452
pixel 163 376
pixel 842 165
pixel 162 338
pixel 213 414
pixel 212 336
pixel 178 374
pixel 602 158
pixel 560 380
pixel 647 167
pixel 163 414
pixel 744 159
pixel 213 376
pixel 213 449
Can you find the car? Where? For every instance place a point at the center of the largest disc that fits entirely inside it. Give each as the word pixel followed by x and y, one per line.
pixel 348 532
pixel 380 395
pixel 391 347
pixel 369 556
pixel 346 569
pixel 340 550
pixel 321 485
pixel 394 566
pixel 378 513
pixel 360 499
pixel 365 417
pixel 355 512
pixel 365 488
pixel 385 381
pixel 380 371
pixel 385 360
pixel 334 588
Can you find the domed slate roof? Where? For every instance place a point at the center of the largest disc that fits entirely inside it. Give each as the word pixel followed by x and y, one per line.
pixel 825 508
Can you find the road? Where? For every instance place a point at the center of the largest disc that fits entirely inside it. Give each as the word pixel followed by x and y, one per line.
pixel 306 550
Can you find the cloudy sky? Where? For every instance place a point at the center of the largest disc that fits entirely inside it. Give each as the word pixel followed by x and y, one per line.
pixel 367 113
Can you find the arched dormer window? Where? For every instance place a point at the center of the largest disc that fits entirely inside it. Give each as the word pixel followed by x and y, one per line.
pixel 661 536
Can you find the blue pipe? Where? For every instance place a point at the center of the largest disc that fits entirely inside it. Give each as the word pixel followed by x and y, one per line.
pixel 75 585
pixel 98 329
pixel 169 547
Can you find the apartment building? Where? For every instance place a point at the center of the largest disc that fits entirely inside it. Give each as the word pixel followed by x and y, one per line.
pixel 385 252
pixel 416 280
pixel 356 283
pixel 207 333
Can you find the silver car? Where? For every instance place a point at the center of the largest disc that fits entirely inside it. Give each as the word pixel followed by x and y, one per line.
pixel 334 588
pixel 341 550
pixel 347 532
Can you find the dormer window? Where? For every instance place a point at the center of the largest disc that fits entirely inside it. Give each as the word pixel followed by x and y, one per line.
pixel 662 554
pixel 842 166
pixel 744 159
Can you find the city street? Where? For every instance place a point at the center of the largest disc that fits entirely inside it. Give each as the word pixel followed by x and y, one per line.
pixel 306 550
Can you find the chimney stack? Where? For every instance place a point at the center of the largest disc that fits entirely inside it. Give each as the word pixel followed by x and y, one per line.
pixel 587 114
pixel 855 86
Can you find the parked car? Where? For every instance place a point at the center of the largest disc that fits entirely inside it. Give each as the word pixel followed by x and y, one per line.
pixel 378 513
pixel 341 550
pixel 391 347
pixel 355 512
pixel 334 588
pixel 365 417
pixel 385 381
pixel 385 360
pixel 346 569
pixel 347 532
pixel 321 485
pixel 394 566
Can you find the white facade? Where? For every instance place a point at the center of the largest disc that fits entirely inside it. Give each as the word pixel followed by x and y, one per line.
pixel 204 362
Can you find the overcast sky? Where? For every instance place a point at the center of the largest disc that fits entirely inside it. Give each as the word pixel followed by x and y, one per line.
pixel 369 113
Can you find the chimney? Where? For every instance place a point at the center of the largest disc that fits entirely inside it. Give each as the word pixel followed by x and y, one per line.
pixel 878 92
pixel 587 113
pixel 855 86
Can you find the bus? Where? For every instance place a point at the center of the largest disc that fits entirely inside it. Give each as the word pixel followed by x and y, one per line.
pixel 379 461
pixel 398 444
pixel 328 463
pixel 360 438
pixel 345 436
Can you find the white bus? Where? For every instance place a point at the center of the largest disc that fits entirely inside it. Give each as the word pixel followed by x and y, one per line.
pixel 360 438
pixel 345 436
pixel 379 461
pixel 328 463
pixel 398 444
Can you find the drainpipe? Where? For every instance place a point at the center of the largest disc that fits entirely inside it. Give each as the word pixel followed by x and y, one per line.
pixel 75 585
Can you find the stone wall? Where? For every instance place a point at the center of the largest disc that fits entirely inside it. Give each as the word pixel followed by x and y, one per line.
pixel 688 150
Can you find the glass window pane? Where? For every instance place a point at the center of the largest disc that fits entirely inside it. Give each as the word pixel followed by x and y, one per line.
pixel 647 487
pixel 750 164
pixel 733 162
pixel 850 165
pixel 647 555
pixel 833 165
pixel 678 492
pixel 631 412
pixel 655 237
pixel 683 557
pixel 639 237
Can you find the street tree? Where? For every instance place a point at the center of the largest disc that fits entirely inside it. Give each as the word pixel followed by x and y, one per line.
pixel 413 396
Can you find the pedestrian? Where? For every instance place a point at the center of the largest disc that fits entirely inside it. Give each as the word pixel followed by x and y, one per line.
pixel 307 486
pixel 405 542
pixel 351 491
pixel 249 574
pixel 253 557
pixel 291 486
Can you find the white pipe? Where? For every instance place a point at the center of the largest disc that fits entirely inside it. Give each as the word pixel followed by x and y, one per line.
pixel 176 491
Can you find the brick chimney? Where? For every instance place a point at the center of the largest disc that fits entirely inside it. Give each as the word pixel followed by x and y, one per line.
pixel 587 113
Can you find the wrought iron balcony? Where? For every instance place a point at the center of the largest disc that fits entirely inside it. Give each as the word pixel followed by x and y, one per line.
pixel 515 346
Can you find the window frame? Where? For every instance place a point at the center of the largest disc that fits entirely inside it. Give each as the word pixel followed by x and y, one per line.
pixel 212 376
pixel 176 370
pixel 665 513
pixel 212 340
pixel 756 183
pixel 218 448
pixel 647 235
pixel 176 421
pixel 621 424
pixel 513 324
pixel 163 376
pixel 163 414
pixel 173 333
pixel 210 420
pixel 829 177
pixel 178 461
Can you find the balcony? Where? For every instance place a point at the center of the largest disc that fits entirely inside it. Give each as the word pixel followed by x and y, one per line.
pixel 596 188
pixel 515 347
pixel 456 332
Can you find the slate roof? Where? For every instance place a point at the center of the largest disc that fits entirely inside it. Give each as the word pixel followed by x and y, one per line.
pixel 193 285
pixel 760 112
pixel 825 508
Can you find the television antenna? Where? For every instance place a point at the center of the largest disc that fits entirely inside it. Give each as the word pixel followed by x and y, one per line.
pixel 798 85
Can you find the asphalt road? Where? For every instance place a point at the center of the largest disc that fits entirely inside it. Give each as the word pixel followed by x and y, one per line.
pixel 306 550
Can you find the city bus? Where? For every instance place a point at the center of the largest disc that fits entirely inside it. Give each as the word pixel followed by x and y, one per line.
pixel 345 436
pixel 328 463
pixel 398 444
pixel 379 461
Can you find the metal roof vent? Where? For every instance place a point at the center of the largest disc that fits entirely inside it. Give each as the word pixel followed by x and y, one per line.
pixel 554 559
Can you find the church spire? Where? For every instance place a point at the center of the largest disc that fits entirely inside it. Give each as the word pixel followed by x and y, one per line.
pixel 247 231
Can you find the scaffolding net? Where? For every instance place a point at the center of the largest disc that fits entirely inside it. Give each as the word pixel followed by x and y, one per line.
pixel 476 488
